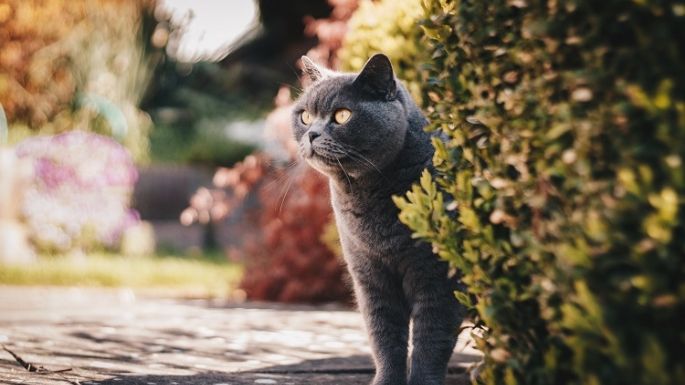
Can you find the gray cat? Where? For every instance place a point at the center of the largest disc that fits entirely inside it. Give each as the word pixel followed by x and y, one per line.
pixel 366 134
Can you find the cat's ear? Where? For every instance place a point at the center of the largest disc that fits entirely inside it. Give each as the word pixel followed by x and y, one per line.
pixel 377 78
pixel 313 71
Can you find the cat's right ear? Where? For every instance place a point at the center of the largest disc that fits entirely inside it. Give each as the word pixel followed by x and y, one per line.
pixel 377 78
pixel 312 71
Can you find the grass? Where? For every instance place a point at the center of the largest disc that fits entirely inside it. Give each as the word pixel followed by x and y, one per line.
pixel 187 277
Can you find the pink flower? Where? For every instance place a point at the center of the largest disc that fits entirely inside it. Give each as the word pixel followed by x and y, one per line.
pixel 81 189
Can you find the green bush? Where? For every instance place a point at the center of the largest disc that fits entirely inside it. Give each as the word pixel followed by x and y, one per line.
pixel 564 173
pixel 387 26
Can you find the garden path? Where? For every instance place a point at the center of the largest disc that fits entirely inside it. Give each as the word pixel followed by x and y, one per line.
pixel 113 337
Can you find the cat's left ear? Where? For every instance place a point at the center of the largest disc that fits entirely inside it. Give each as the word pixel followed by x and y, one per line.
pixel 313 71
pixel 377 78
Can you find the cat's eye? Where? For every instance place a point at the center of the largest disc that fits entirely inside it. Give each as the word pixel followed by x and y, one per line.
pixel 306 117
pixel 342 115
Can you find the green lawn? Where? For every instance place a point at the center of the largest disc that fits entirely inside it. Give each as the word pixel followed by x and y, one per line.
pixel 170 275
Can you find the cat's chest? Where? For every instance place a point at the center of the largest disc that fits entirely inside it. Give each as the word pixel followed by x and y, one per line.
pixel 369 224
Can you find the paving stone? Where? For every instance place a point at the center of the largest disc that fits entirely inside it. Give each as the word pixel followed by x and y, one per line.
pixel 111 337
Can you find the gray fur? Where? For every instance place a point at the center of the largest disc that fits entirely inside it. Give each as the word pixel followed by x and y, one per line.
pixel 379 152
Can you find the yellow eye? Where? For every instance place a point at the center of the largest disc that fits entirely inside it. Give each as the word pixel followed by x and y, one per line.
pixel 342 115
pixel 306 118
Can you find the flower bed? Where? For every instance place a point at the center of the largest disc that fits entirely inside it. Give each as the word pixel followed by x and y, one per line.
pixel 80 193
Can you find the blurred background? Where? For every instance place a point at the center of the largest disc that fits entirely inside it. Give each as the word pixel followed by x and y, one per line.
pixel 146 144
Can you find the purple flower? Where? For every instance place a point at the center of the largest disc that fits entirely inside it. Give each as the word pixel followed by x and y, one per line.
pixel 81 190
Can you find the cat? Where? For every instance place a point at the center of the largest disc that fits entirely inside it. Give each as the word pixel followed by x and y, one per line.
pixel 365 133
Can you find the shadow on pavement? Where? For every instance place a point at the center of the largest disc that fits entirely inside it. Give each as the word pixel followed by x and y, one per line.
pixel 352 370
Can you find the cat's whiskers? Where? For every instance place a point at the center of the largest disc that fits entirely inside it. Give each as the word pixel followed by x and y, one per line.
pixel 345 173
pixel 283 174
pixel 356 156
pixel 287 190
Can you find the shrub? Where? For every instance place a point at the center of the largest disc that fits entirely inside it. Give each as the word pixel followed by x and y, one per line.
pixel 79 198
pixel 563 169
pixel 285 258
pixel 287 261
pixel 387 26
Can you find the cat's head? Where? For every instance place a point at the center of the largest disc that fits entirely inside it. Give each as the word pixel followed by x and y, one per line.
pixel 351 123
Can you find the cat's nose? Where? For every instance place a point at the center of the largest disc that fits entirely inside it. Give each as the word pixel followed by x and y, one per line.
pixel 313 135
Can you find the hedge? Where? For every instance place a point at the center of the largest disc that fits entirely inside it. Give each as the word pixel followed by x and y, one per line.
pixel 564 170
pixel 387 26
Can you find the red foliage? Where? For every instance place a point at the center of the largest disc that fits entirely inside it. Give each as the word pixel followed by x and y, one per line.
pixel 288 262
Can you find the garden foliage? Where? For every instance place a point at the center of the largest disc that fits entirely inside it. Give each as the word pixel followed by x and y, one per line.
pixel 560 192
pixel 78 198
pixel 387 26
pixel 287 257
pixel 79 65
pixel 288 261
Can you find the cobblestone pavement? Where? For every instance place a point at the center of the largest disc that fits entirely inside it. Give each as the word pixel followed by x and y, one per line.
pixel 113 337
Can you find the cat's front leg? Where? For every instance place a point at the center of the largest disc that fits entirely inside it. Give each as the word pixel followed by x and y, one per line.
pixel 386 315
pixel 436 317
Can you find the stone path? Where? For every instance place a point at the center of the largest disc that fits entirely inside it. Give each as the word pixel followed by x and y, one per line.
pixel 113 337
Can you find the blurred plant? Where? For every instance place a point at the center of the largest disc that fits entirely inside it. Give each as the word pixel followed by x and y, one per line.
pixel 213 148
pixel 287 258
pixel 78 65
pixel 330 32
pixel 193 104
pixel 289 262
pixel 36 83
pixel 79 197
pixel 390 27
pixel 560 191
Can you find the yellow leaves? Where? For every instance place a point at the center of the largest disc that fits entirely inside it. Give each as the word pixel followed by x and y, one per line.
pixel 448 6
pixel 658 226
pixel 463 298
pixel 388 26
pixel 654 363
pixel 441 153
pixel 595 226
pixel 666 202
pixel 574 255
pixel 662 99
pixel 427 184
pixel 638 96
pixel 437 33
pixel 628 180
pixel 509 377
pixel 587 300
pixel 469 219
pixel 421 207
pixel 659 101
